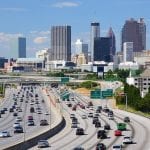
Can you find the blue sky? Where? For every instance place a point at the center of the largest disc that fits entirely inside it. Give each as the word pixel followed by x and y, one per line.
pixel 33 19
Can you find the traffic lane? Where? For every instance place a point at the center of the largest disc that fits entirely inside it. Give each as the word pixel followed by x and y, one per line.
pixel 142 128
pixel 140 125
pixel 19 136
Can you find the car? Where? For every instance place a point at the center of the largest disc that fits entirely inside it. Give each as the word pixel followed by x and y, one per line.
pixel 78 148
pixel 79 131
pixel 46 113
pixel 90 115
pixel 69 105
pixel 100 146
pixel 11 110
pixel 39 112
pixel 117 133
pixel 31 109
pixel 111 117
pixel 18 119
pixel 74 125
pixel 101 134
pixel 106 127
pixel 4 134
pixel 2 111
pixel 74 120
pixel 110 113
pixel 5 109
pixel 18 129
pixel 82 106
pixel 117 147
pixel 30 117
pixel 74 107
pixel 90 103
pixel 121 126
pixel 95 120
pixel 16 124
pixel 31 123
pixel 43 144
pixel 127 140
pixel 72 116
pixel 43 122
pixel 15 114
pixel 106 109
pixel 97 124
pixel 84 117
pixel 126 119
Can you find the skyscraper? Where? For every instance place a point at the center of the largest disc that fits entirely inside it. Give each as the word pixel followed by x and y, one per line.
pixel 134 31
pixel 61 43
pixel 111 35
pixel 95 33
pixel 18 49
pixel 102 49
pixel 128 51
pixel 21 47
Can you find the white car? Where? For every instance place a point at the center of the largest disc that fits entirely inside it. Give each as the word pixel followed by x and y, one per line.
pixel 84 117
pixel 18 119
pixel 43 144
pixel 111 117
pixel 90 115
pixel 117 147
pixel 127 140
pixel 16 124
pixel 4 134
pixel 74 125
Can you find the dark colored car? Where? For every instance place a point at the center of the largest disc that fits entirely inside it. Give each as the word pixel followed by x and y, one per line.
pixel 11 110
pixel 43 122
pixel 106 127
pixel 32 110
pixel 95 120
pixel 15 114
pixel 18 129
pixel 79 131
pixel 101 134
pixel 100 146
pixel 97 124
pixel 126 119
pixel 2 111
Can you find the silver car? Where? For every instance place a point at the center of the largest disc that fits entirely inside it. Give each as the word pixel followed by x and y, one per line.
pixel 43 143
pixel 4 134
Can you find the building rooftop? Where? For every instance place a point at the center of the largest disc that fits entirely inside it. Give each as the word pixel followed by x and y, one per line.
pixel 146 73
pixel 29 59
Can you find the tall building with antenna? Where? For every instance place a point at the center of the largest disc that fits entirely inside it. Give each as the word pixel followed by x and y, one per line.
pixel 95 33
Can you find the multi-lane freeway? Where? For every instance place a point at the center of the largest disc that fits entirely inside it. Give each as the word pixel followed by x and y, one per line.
pixel 17 109
pixel 138 128
pixel 79 113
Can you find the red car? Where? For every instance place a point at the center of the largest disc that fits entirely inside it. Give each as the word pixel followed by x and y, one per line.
pixel 118 133
pixel 82 106
pixel 74 107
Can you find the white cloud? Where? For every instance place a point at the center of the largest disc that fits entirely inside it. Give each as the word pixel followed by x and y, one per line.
pixel 4 37
pixel 40 40
pixel 15 9
pixel 65 4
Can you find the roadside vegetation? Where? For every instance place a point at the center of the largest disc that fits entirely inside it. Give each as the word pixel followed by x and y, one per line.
pixel 135 101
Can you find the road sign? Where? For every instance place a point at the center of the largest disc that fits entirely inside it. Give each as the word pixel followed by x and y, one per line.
pixel 107 93
pixel 65 95
pixel 64 79
pixel 95 94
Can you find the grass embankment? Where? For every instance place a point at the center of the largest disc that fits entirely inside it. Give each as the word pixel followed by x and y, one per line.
pixel 132 110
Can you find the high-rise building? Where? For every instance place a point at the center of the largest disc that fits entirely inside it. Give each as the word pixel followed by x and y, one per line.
pixel 128 51
pixel 102 49
pixel 61 43
pixel 22 47
pixel 95 33
pixel 18 48
pixel 111 35
pixel 134 31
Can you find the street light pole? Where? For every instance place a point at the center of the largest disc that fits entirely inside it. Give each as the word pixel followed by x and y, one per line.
pixel 126 101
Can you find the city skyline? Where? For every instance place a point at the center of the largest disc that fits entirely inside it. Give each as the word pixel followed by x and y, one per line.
pixel 24 18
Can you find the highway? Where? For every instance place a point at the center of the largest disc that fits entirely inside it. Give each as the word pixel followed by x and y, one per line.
pixel 138 128
pixel 24 101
